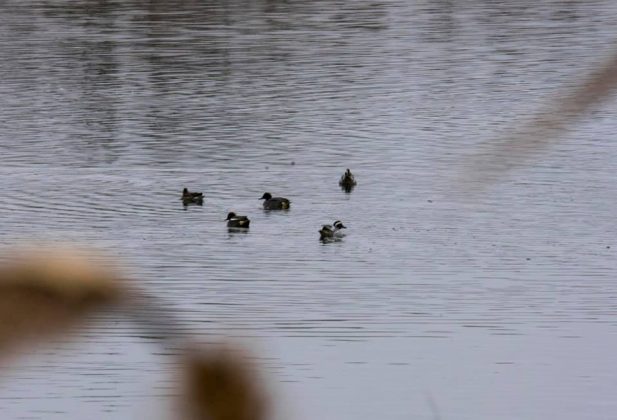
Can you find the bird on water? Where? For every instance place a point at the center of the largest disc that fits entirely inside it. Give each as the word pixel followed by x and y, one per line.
pixel 274 203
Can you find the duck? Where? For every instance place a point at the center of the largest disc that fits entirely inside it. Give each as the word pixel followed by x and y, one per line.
pixel 189 197
pixel 332 231
pixel 275 203
pixel 236 221
pixel 347 181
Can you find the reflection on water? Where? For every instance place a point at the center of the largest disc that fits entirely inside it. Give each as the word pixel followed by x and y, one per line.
pixel 433 301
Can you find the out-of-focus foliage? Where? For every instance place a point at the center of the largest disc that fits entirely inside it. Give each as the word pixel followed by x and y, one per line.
pixel 221 385
pixel 530 138
pixel 43 291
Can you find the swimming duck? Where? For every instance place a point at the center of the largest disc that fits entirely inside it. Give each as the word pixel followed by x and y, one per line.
pixel 192 197
pixel 274 203
pixel 235 221
pixel 347 182
pixel 332 231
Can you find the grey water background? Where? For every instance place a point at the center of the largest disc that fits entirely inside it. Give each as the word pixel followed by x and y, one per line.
pixel 441 302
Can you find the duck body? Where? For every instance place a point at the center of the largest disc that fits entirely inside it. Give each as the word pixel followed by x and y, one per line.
pixel 189 197
pixel 332 232
pixel 236 221
pixel 347 181
pixel 275 203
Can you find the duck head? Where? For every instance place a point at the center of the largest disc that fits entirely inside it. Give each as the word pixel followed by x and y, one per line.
pixel 230 215
pixel 266 196
pixel 339 225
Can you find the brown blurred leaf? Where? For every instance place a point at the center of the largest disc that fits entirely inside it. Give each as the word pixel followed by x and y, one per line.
pixel 222 386
pixel 530 138
pixel 43 291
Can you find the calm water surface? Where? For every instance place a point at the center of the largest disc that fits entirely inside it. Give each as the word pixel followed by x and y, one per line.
pixel 437 305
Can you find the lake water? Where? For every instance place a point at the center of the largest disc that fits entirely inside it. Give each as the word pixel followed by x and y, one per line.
pixel 440 303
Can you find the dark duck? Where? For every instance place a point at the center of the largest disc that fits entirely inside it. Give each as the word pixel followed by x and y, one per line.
pixel 347 181
pixel 236 221
pixel 189 197
pixel 274 203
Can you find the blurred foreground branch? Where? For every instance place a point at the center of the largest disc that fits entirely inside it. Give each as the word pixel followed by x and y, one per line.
pixel 530 138
pixel 44 291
